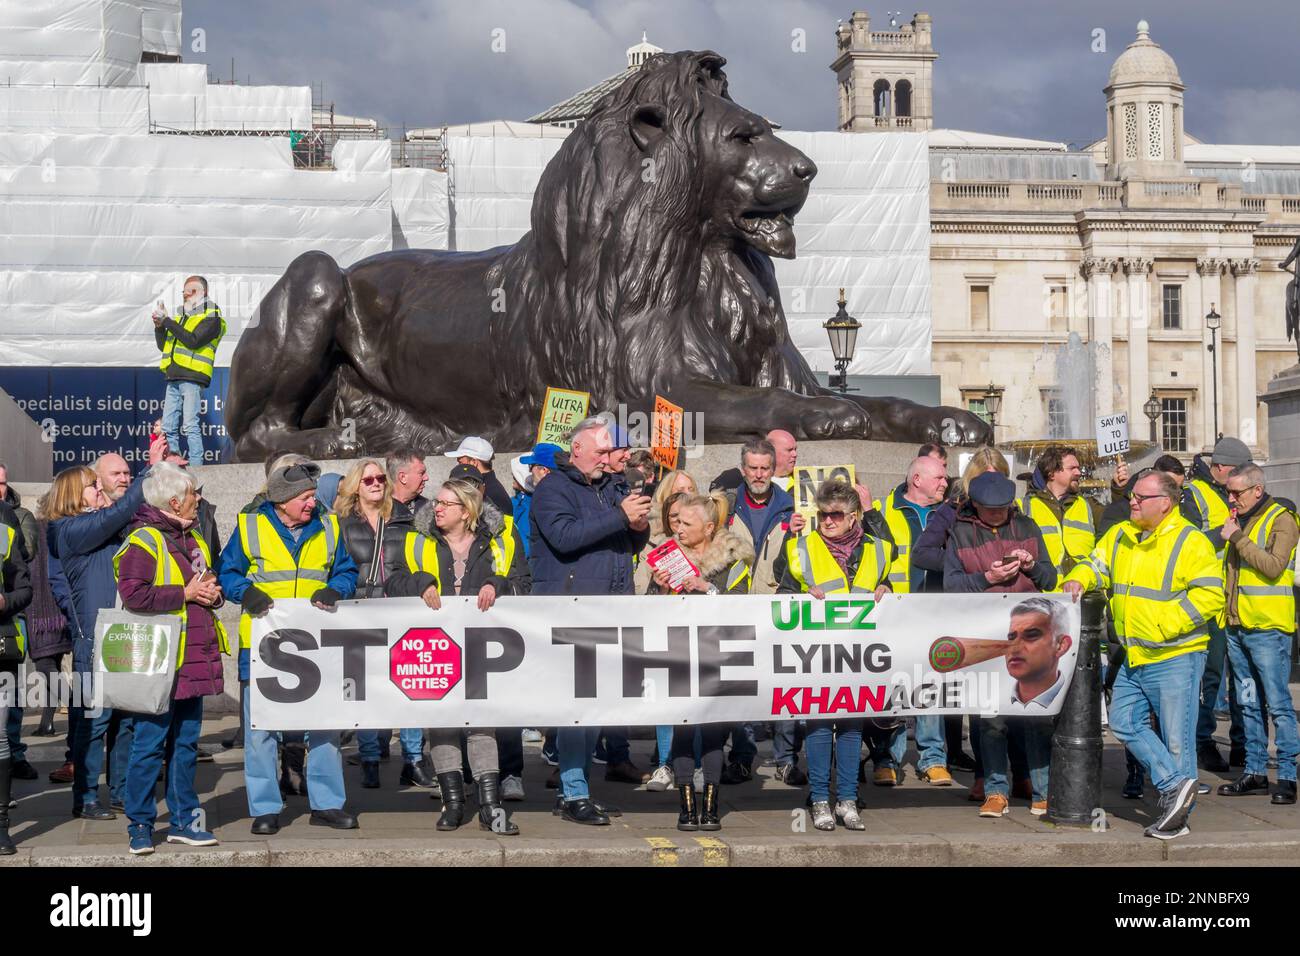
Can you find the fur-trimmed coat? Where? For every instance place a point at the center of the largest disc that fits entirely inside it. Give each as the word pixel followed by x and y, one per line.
pixel 401 581
pixel 725 550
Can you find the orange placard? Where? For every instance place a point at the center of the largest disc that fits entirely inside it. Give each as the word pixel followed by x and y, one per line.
pixel 666 432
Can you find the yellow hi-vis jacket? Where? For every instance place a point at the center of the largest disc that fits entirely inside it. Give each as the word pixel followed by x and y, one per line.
pixel 1209 505
pixel 812 565
pixel 7 538
pixel 1165 588
pixel 195 360
pixel 1266 603
pixel 167 572
pixel 421 554
pixel 900 571
pixel 271 566
pixel 1072 537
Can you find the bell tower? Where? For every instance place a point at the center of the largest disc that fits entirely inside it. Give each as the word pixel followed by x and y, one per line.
pixel 884 78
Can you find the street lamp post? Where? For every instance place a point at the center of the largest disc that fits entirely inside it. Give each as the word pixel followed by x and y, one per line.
pixel 993 404
pixel 842 329
pixel 1152 408
pixel 1212 321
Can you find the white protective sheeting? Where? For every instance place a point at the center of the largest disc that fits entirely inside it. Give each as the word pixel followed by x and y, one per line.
pixel 421 215
pixel 259 107
pixel 74 109
pixel 160 26
pixel 95 229
pixel 69 42
pixel 865 227
pixel 178 95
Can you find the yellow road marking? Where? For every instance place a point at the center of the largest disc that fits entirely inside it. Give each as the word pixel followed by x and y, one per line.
pixel 715 851
pixel 663 851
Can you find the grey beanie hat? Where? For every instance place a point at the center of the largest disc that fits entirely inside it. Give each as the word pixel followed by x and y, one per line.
pixel 1230 451
pixel 284 484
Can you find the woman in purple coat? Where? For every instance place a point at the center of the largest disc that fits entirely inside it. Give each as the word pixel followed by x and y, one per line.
pixel 165 567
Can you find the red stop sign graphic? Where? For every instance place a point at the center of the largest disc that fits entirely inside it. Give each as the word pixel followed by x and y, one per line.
pixel 425 663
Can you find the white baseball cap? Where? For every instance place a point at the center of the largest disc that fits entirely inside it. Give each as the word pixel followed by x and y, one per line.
pixel 522 473
pixel 472 447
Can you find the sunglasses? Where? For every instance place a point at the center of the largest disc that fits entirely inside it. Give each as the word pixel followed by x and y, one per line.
pixel 832 515
pixel 1238 494
pixel 370 480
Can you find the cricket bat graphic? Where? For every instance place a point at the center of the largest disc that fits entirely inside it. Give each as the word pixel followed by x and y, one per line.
pixel 954 653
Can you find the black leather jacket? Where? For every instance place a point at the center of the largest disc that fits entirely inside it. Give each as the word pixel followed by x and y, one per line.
pixel 359 539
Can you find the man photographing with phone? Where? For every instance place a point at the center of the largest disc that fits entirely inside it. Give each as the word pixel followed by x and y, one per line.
pixel 188 342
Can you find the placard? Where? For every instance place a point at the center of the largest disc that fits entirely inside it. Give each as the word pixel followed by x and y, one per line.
pixel 562 409
pixel 666 432
pixel 807 479
pixel 1112 435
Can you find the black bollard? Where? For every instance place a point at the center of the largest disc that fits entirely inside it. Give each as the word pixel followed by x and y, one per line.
pixel 1074 788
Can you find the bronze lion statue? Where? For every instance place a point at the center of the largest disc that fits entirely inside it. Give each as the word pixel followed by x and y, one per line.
pixel 646 271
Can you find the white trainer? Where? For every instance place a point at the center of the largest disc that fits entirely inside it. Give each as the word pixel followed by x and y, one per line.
pixel 661 779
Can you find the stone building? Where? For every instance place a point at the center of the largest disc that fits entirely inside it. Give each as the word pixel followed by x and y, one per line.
pixel 1123 247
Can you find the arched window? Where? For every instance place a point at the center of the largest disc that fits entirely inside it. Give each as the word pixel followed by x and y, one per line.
pixel 903 98
pixel 880 96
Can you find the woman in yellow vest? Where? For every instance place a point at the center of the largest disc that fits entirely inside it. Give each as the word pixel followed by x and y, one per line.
pixel 188 344
pixel 15 594
pixel 840 557
pixel 724 560
pixel 165 567
pixel 461 546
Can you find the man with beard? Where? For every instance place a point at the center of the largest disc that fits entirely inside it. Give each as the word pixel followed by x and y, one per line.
pixel 188 343
pixel 1067 519
pixel 785 455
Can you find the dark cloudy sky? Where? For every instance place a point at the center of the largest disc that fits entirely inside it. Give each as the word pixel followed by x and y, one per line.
pixel 1017 68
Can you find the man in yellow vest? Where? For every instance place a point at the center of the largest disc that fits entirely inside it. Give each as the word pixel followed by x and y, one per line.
pixel 1166 586
pixel 288 548
pixel 1206 487
pixel 1259 577
pixel 1067 519
pixel 188 343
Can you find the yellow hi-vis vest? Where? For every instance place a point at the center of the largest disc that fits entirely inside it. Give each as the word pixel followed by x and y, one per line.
pixel 1074 536
pixel 421 554
pixel 900 571
pixel 1209 505
pixel 195 360
pixel 812 565
pixel 272 569
pixel 1165 588
pixel 7 538
pixel 165 572
pixel 1266 602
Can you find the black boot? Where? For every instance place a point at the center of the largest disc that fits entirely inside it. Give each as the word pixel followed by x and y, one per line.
pixel 1247 783
pixel 709 811
pixel 491 814
pixel 1237 757
pixel 46 728
pixel 1133 785
pixel 1208 756
pixel 370 774
pixel 688 818
pixel 1284 792
pixel 7 847
pixel 453 800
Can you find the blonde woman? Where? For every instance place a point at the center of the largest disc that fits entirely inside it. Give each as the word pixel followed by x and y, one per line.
pixel 675 482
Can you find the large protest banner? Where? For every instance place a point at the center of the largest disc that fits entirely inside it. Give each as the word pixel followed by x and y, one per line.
pixel 552 661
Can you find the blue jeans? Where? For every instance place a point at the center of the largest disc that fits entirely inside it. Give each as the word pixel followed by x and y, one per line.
pixel 181 412
pixel 574 746
pixel 785 742
pixel 1261 664
pixel 325 789
pixel 847 745
pixel 1169 690
pixel 1036 733
pixel 1215 658
pixel 88 743
pixel 617 748
pixel 931 745
pixel 14 731
pixel 173 736
pixel 412 739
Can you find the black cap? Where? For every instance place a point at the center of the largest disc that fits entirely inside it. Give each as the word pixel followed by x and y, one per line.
pixel 992 490
pixel 467 473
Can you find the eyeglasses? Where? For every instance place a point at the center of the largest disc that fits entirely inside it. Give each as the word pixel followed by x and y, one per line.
pixel 1238 494
pixel 1141 498
pixel 369 480
pixel 439 503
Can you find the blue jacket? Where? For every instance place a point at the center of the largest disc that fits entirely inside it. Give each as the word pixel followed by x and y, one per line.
pixel 234 563
pixel 84 546
pixel 581 543
pixel 522 506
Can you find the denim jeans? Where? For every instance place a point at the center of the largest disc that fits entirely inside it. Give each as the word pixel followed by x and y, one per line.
pixel 14 731
pixel 785 742
pixel 574 746
pixel 847 746
pixel 181 413
pixel 89 739
pixel 1167 689
pixel 931 745
pixel 412 739
pixel 1035 733
pixel 664 744
pixel 617 748
pixel 1261 664
pixel 325 789
pixel 1215 659
pixel 172 736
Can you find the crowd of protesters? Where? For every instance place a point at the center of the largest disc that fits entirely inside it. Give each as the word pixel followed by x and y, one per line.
pixel 1217 631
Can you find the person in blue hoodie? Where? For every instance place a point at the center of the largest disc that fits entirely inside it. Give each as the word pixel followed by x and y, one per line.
pixel 289 531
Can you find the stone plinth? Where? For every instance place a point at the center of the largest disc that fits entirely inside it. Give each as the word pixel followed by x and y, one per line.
pixel 1282 470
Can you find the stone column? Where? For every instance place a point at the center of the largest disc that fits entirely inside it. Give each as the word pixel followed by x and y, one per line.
pixel 1243 294
pixel 1137 311
pixel 1101 329
pixel 1209 270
